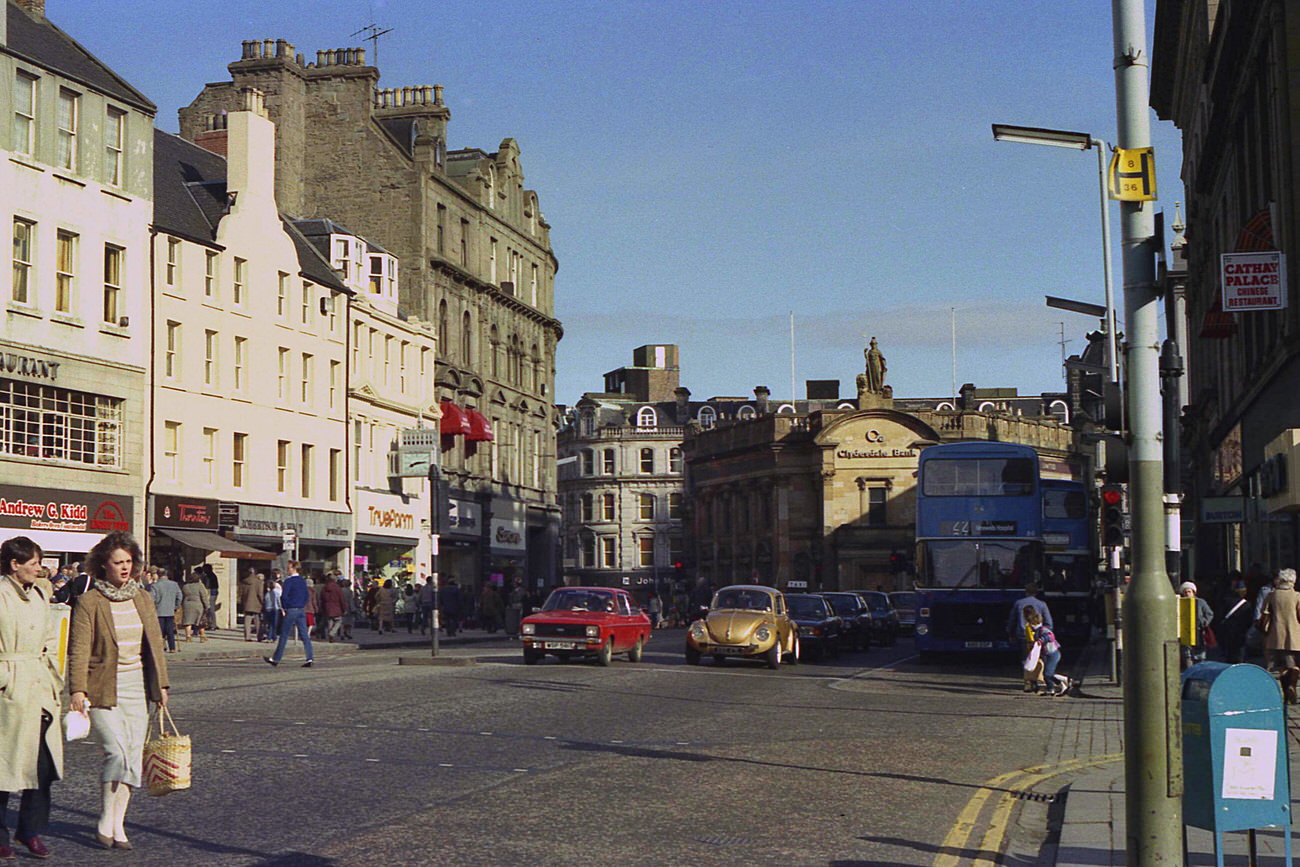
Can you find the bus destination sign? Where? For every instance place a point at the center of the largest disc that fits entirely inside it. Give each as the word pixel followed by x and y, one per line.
pixel 977 528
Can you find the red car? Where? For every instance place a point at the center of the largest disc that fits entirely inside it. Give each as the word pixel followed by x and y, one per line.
pixel 586 621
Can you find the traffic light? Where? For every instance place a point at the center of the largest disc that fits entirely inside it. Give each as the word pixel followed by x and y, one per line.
pixel 1112 516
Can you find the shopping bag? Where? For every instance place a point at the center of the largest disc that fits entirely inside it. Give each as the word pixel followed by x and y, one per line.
pixel 166 756
pixel 1208 638
pixel 1031 661
pixel 76 725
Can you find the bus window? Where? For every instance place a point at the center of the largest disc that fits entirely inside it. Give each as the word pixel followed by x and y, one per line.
pixel 985 477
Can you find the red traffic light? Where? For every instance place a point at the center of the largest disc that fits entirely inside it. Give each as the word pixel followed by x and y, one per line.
pixel 1112 496
pixel 677 565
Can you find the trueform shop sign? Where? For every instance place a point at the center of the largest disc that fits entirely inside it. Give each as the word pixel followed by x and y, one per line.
pixel 1253 281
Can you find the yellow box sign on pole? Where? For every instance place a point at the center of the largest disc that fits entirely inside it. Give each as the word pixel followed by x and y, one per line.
pixel 1133 175
pixel 1187 620
pixel 61 617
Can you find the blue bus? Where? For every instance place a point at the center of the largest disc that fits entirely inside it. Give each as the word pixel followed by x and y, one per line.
pixel 1069 558
pixel 979 539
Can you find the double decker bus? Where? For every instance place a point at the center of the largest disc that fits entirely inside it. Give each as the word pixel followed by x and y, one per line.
pixel 1069 560
pixel 979 539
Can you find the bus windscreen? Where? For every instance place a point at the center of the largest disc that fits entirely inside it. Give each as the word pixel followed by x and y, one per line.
pixel 980 564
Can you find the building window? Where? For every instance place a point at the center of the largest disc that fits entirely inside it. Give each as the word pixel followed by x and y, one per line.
pixel 646 550
pixel 282 296
pixel 241 268
pixel 464 243
pixel 342 259
pixel 238 456
pixel 282 466
pixel 707 417
pixel 675 461
pixel 306 303
pixel 588 423
pixel 24 131
pixel 876 497
pixel 282 390
pixel 442 230
pixel 24 230
pixel 607 552
pixel 305 394
pixel 210 275
pixel 172 450
pixel 589 551
pixel 377 275
pixel 402 353
pixel 172 351
pixel 210 339
pixel 646 510
pixel 173 261
pixel 492 261
pixel 675 507
pixel 336 474
pixel 466 338
pixel 609 462
pixel 57 424
pixel 113 283
pixel 490 184
pixel 307 451
pixel 114 143
pixel 65 270
pixel 334 384
pixel 209 456
pixel 588 462
pixel 241 363
pixel 647 460
pixel 533 290
pixel 588 507
pixel 607 507
pixel 388 358
pixel 69 116
pixel 647 417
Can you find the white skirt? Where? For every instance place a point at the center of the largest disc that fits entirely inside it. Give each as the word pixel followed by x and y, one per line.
pixel 121 730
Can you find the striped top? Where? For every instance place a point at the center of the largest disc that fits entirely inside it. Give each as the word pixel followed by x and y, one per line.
pixel 130 634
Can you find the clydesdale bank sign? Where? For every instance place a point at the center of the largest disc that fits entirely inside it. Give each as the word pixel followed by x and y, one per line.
pixel 68 511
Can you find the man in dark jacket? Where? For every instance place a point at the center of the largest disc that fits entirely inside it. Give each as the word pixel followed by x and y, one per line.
pixel 449 606
pixel 1234 623
pixel 293 602
pixel 332 606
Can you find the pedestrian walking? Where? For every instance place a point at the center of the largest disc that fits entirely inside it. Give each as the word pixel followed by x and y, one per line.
pixel 1281 628
pixel 250 597
pixel 427 599
pixel 271 607
pixel 449 606
pixel 349 595
pixel 293 602
pixel 1234 623
pixel 385 605
pixel 195 602
pixel 1196 651
pixel 332 606
pixel 1021 635
pixel 31 745
pixel 515 608
pixel 491 608
pixel 1049 650
pixel 655 609
pixel 313 608
pixel 209 578
pixel 167 598
pixel 116 665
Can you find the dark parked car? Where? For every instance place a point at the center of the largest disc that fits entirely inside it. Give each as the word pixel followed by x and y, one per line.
pixel 853 610
pixel 884 619
pixel 905 604
pixel 820 628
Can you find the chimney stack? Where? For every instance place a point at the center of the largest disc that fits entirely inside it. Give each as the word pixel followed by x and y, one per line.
pixel 761 395
pixel 34 7
pixel 682 395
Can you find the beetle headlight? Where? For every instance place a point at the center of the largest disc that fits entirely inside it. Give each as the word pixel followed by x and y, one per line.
pixel 762 633
pixel 593 632
pixel 530 628
pixel 698 632
pixel 922 629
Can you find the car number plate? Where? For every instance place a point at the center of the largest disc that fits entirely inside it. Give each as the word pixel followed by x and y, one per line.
pixel 726 650
pixel 559 645
pixel 977 645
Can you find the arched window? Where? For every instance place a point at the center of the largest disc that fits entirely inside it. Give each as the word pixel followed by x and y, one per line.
pixel 675 461
pixel 466 338
pixel 588 423
pixel 443 332
pixel 745 412
pixel 707 416
pixel 987 406
pixel 490 186
pixel 536 370
pixel 785 409
pixel 846 405
pixel 945 407
pixel 647 417
pixel 494 346
pixel 1059 409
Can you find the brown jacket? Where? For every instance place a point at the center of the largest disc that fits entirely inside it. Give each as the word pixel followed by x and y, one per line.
pixel 92 649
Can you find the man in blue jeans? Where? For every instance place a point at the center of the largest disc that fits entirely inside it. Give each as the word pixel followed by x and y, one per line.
pixel 293 604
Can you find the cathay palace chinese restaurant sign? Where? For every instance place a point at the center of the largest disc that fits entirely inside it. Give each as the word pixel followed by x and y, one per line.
pixel 1253 281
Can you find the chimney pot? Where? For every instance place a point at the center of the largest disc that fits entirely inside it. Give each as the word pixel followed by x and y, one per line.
pixel 268 48
pixel 437 94
pixel 320 58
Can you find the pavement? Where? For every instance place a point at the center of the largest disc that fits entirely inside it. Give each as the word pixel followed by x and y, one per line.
pixel 230 644
pixel 1093 823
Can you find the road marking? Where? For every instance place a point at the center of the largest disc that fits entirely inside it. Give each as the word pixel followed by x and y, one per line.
pixel 227 751
pixel 521 770
pixel 373 760
pixel 550 738
pixel 445 765
pixel 1010 784
pixel 301 756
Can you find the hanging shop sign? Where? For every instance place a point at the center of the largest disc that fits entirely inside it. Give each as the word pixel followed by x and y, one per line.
pixel 1253 281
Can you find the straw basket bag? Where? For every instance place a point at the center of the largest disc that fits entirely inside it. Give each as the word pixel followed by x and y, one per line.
pixel 166 756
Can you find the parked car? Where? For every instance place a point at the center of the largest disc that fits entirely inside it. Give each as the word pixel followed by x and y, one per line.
pixel 905 604
pixel 855 614
pixel 594 622
pixel 884 619
pixel 747 621
pixel 821 631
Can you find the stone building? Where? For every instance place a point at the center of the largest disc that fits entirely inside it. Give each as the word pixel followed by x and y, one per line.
pixel 477 262
pixel 249 380
pixel 1224 73
pixel 76 191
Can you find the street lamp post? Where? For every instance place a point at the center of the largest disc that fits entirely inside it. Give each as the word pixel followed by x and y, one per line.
pixel 1080 141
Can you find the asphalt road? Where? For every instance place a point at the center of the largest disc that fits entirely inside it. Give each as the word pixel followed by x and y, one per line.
pixel 866 760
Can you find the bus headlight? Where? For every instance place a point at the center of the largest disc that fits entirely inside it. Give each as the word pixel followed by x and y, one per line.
pixel 922 629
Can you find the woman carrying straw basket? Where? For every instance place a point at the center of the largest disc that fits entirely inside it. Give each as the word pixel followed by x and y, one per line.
pixel 115 667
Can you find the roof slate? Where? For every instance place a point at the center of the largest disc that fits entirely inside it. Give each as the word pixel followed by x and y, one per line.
pixel 37 39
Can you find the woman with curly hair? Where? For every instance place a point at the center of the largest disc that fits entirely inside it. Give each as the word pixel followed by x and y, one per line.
pixel 116 667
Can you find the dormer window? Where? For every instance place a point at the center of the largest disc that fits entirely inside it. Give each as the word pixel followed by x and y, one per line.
pixel 647 417
pixel 376 274
pixel 342 258
pixel 707 417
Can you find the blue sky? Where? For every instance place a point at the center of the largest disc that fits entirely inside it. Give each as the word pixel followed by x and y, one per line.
pixel 708 167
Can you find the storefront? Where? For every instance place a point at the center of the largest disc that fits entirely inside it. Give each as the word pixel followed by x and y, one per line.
pixel 508 542
pixel 66 524
pixel 391 535
pixel 460 547
pixel 184 535
pixel 321 540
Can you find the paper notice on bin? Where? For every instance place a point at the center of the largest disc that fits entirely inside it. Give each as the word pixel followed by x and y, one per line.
pixel 1249 764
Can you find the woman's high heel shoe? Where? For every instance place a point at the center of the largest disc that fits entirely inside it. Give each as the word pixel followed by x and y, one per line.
pixel 106 842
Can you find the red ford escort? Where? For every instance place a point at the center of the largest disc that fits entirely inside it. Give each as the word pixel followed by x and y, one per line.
pixel 586 621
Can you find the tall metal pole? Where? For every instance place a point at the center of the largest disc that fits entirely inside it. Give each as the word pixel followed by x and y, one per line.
pixel 1112 354
pixel 1152 718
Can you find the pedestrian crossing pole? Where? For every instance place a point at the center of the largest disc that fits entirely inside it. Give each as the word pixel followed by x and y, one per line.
pixel 437 519
pixel 1153 773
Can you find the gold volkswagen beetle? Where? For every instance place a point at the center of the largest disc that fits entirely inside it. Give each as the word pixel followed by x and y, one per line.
pixel 745 620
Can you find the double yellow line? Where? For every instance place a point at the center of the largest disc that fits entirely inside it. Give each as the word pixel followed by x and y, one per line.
pixel 1010 784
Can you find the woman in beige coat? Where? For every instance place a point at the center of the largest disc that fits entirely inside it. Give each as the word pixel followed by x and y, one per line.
pixel 1281 627
pixel 31 745
pixel 116 667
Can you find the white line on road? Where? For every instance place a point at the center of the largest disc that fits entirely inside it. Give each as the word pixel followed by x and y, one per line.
pixel 227 751
pixel 372 760
pixel 445 765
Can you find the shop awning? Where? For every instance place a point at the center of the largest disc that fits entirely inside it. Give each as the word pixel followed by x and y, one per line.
pixel 480 429
pixel 205 541
pixel 455 421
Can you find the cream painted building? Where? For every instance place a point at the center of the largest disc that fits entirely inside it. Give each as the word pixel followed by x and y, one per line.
pixel 390 389
pixel 76 184
pixel 250 397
